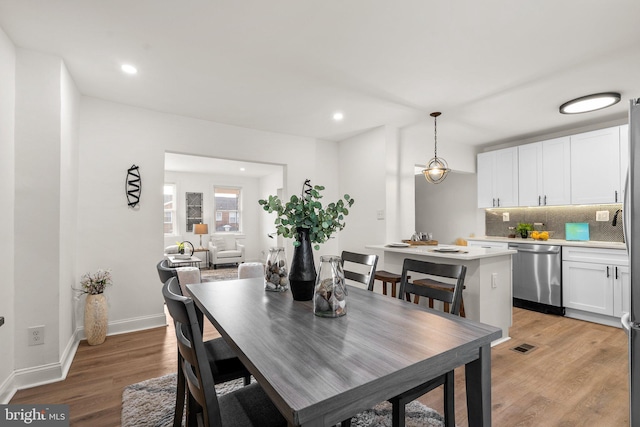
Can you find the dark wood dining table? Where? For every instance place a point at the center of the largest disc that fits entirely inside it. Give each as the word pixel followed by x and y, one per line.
pixel 319 371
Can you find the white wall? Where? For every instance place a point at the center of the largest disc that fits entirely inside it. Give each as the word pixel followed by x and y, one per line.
pixel 269 186
pixel 251 213
pixel 130 242
pixel 448 209
pixel 37 206
pixel 69 111
pixel 7 182
pixel 363 177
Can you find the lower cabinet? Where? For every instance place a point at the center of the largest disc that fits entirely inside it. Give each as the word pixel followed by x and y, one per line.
pixel 596 280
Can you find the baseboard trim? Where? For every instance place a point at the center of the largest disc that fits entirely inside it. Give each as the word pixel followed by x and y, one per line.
pixel 131 325
pixel 7 389
pixel 53 372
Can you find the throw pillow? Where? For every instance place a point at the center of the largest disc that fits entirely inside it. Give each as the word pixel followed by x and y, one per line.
pixel 218 242
pixel 173 249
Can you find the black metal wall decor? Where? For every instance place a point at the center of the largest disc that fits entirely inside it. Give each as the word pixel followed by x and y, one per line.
pixel 133 186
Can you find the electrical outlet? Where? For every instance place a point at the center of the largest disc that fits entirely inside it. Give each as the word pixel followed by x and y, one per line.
pixel 505 216
pixel 602 215
pixel 380 214
pixel 36 335
pixel 494 280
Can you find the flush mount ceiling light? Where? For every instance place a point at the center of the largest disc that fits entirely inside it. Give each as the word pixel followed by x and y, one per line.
pixel 588 103
pixel 129 69
pixel 437 168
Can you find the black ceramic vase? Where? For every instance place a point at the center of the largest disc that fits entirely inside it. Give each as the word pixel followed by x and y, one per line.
pixel 302 274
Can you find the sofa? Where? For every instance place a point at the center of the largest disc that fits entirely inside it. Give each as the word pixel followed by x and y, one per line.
pixel 224 248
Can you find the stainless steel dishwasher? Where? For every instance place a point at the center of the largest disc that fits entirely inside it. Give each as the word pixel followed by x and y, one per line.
pixel 537 277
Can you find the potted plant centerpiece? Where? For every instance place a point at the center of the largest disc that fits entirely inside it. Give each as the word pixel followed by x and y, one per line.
pixel 308 222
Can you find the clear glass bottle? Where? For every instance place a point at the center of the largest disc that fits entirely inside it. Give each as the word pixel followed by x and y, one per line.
pixel 330 294
pixel 275 271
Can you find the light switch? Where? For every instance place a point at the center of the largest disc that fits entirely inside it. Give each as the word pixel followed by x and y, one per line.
pixel 602 215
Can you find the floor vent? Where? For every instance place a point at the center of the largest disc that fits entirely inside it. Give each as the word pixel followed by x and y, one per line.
pixel 524 348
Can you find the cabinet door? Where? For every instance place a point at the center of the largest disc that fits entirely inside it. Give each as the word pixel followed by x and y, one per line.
pixel 585 286
pixel 506 177
pixel 556 171
pixel 595 167
pixel 530 174
pixel 621 290
pixel 485 180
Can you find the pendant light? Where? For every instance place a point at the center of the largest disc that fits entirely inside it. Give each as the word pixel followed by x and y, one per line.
pixel 437 168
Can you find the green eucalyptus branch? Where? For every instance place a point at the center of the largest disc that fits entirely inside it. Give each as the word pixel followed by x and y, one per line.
pixel 306 212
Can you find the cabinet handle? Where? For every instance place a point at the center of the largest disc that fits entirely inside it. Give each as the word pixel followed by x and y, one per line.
pixel 607 271
pixel 498 201
pixel 539 200
pixel 616 273
pixel 616 196
pixel 493 203
pixel 545 200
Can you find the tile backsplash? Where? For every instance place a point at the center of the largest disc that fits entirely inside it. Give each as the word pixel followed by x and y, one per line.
pixel 554 218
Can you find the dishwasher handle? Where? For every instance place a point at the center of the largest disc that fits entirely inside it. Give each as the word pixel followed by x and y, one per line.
pixel 548 250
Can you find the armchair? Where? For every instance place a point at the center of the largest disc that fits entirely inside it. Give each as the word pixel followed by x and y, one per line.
pixel 225 249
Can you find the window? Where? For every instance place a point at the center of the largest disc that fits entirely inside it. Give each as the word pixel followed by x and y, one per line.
pixel 227 208
pixel 194 209
pixel 170 209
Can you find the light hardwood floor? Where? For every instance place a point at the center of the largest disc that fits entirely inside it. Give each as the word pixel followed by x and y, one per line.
pixel 576 375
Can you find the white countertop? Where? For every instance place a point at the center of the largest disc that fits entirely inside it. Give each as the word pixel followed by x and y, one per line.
pixel 585 244
pixel 466 252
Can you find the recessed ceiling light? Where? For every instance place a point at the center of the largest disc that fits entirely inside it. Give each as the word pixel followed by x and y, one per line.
pixel 337 116
pixel 588 103
pixel 242 169
pixel 129 69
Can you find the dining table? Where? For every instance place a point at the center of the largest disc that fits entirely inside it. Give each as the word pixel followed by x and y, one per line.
pixel 319 371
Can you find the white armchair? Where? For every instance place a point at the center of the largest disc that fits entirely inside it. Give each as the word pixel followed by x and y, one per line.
pixel 225 249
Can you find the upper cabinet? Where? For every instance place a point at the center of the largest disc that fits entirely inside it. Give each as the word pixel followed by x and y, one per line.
pixel 595 167
pixel 544 173
pixel 498 178
pixel 588 168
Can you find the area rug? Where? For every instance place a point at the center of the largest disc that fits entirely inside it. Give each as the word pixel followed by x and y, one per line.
pixel 151 403
pixel 222 273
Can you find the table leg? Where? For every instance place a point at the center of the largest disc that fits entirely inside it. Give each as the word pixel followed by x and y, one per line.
pixel 478 382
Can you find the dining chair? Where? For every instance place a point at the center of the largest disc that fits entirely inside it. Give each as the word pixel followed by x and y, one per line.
pixel 223 363
pixel 165 272
pixel 370 261
pixel 455 275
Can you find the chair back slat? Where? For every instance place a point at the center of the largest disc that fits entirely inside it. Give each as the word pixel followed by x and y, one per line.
pixel 195 364
pixel 445 271
pixel 370 261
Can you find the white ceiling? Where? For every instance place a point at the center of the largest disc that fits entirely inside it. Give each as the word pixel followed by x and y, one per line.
pixel 213 166
pixel 497 69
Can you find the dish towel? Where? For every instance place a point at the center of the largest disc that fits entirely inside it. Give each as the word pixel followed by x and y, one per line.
pixel 187 275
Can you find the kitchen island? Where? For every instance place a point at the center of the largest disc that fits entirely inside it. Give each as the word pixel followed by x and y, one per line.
pixel 487 294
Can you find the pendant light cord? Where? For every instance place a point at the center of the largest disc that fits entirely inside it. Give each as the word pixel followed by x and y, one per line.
pixel 435 137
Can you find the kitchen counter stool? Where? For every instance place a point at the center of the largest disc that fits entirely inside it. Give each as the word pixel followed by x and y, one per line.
pixel 442 286
pixel 387 277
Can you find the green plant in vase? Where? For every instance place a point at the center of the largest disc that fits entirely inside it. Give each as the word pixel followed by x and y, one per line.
pixel 523 229
pixel 306 220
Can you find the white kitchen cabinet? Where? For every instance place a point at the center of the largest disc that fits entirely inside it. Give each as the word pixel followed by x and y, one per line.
pixel 544 173
pixel 595 280
pixel 595 167
pixel 498 178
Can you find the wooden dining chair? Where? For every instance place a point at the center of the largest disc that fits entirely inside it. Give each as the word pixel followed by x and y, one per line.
pixel 370 261
pixel 435 273
pixel 248 406
pixel 223 362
